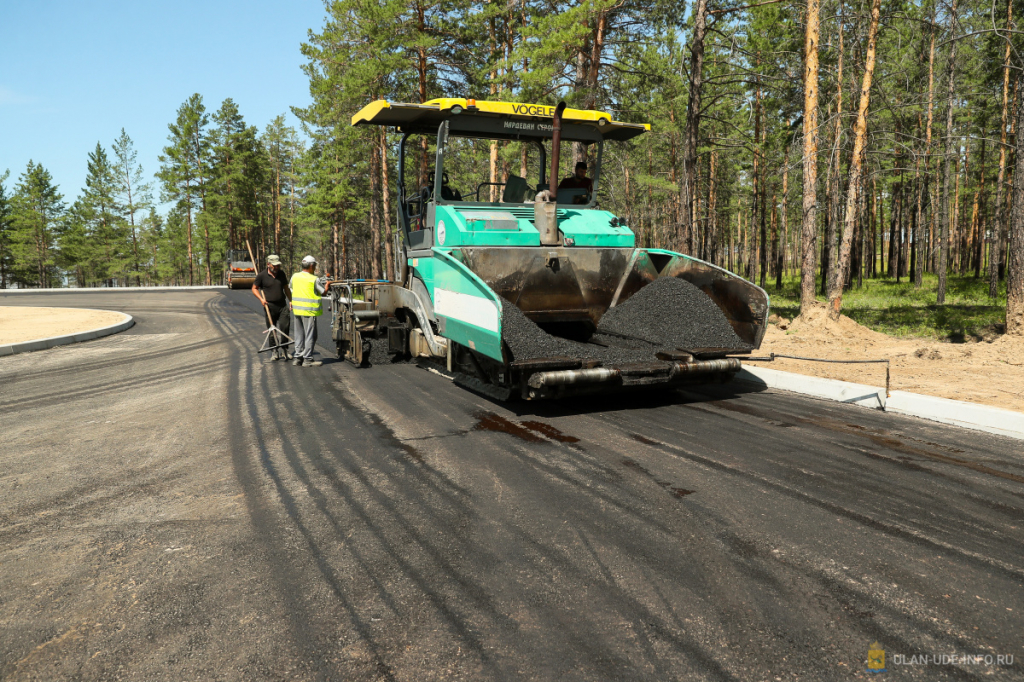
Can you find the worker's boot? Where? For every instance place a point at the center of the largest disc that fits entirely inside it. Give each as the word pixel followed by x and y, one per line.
pixel 310 362
pixel 297 362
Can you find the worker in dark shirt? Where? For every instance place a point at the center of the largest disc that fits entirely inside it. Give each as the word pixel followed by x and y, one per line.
pixel 579 180
pixel 271 287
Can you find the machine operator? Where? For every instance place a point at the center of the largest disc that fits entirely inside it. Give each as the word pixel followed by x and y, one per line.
pixel 579 180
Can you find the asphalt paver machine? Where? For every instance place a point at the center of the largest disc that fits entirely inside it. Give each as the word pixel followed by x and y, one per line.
pixel 553 253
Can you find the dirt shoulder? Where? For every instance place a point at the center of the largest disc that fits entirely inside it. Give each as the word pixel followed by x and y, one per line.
pixel 18 324
pixel 990 372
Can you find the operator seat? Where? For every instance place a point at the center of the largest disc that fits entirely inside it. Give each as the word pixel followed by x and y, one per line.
pixel 449 194
pixel 516 189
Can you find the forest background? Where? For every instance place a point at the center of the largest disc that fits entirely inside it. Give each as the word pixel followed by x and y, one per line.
pixel 826 143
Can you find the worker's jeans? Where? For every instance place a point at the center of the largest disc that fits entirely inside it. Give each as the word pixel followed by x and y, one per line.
pixel 282 322
pixel 305 336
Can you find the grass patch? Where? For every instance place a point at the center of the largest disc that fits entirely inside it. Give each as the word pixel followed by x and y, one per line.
pixel 904 310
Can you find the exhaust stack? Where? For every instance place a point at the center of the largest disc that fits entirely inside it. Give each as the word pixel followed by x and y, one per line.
pixel 545 212
pixel 556 145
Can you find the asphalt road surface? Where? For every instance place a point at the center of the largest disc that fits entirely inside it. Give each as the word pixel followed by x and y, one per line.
pixel 174 506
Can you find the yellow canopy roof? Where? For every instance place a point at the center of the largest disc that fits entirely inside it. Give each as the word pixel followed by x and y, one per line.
pixel 428 116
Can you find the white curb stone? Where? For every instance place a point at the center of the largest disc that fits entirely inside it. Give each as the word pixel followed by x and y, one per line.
pixel 98 290
pixel 43 344
pixel 955 412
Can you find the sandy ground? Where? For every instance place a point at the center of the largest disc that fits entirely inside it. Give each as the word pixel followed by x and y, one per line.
pixel 19 324
pixel 990 372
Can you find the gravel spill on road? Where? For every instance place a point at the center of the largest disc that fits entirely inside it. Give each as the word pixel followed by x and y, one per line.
pixel 673 312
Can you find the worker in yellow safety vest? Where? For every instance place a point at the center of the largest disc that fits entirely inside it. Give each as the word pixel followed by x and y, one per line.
pixel 306 307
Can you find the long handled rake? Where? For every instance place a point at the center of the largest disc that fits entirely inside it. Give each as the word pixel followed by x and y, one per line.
pixel 272 332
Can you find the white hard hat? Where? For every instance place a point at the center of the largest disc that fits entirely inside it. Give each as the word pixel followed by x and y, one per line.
pixel 309 260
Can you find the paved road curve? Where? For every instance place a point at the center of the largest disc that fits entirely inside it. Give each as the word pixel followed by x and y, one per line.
pixel 173 506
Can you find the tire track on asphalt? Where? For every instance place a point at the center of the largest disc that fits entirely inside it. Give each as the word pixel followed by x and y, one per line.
pixel 76 503
pixel 135 382
pixel 893 529
pixel 103 365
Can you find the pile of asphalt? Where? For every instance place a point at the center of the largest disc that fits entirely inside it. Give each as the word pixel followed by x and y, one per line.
pixel 666 315
pixel 527 341
pixel 675 313
pixel 379 354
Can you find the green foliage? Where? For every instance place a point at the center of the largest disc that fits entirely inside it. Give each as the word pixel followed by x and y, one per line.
pixel 901 309
pixel 134 196
pixel 6 232
pixel 37 213
pixel 331 189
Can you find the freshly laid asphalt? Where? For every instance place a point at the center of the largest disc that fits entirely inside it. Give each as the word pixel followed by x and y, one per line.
pixel 174 506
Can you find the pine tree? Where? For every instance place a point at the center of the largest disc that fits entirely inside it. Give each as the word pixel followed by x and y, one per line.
pixel 108 247
pixel 6 232
pixel 38 208
pixel 236 179
pixel 133 195
pixel 184 172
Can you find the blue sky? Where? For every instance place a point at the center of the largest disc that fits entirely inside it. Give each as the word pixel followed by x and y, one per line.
pixel 74 73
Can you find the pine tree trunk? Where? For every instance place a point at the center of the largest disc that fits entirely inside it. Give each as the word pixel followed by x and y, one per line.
pixel 829 238
pixel 291 223
pixel 974 259
pixel 875 226
pixel 954 226
pixel 920 253
pixel 961 234
pixel 375 250
pixel 277 209
pixel 188 225
pixel 775 241
pixel 1015 243
pixel 781 263
pixel 763 255
pixel 345 272
pixel 907 224
pixel 389 246
pixel 894 212
pixel 732 244
pixel 830 265
pixel 810 160
pixel 688 187
pixel 712 224
pixel 999 232
pixel 334 247
pixel 862 213
pixel 933 224
pixel 944 222
pixel 752 259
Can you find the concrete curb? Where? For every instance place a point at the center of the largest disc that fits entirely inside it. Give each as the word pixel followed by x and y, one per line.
pixel 955 412
pixel 97 290
pixel 43 344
